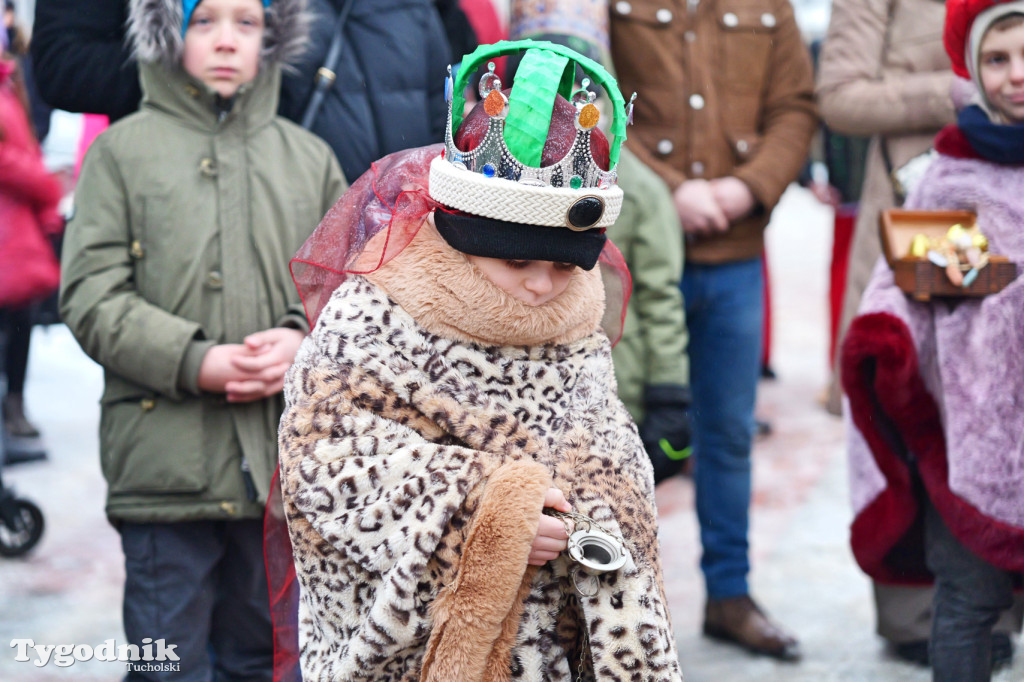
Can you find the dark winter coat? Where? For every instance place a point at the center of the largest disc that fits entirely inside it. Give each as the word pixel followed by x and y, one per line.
pixel 389 92
pixel 81 58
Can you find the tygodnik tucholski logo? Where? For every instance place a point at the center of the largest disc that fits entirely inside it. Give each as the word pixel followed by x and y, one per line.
pixel 152 656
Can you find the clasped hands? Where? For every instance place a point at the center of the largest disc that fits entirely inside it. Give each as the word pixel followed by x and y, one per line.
pixel 708 207
pixel 253 369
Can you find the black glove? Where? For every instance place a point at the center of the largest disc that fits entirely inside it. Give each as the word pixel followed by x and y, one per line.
pixel 666 429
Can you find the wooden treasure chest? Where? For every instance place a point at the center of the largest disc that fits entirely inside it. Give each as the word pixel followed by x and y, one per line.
pixel 918 275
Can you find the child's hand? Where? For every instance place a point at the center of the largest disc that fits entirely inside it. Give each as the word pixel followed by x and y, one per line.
pixel 551 538
pixel 218 369
pixel 268 356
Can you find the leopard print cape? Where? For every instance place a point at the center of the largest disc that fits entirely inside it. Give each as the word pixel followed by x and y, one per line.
pixel 392 441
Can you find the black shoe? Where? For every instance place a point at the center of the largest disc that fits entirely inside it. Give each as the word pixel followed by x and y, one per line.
pixel 915 652
pixel 1002 650
pixel 768 373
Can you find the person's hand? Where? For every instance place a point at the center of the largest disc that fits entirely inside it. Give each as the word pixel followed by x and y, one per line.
pixel 666 431
pixel 826 193
pixel 551 538
pixel 268 356
pixel 733 196
pixel 698 209
pixel 218 368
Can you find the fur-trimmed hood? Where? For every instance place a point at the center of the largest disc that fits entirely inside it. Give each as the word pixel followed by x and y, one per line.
pixel 154 28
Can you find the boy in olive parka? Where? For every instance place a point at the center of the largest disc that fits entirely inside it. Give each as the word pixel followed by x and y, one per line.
pixel 175 280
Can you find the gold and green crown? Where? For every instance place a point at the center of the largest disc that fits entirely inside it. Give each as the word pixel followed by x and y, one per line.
pixel 502 177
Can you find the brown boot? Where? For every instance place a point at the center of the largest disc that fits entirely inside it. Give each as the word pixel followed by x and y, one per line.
pixel 14 417
pixel 740 621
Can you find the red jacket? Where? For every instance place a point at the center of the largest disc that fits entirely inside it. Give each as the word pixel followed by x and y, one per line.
pixel 28 205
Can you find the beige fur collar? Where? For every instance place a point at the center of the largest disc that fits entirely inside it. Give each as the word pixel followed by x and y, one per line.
pixel 450 297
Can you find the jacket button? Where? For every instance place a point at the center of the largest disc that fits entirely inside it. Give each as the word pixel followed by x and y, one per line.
pixel 690 36
pixel 697 102
pixel 697 168
pixel 214 279
pixel 208 167
pixel 730 20
pixel 742 146
pixel 147 404
pixel 768 20
pixel 136 251
pixel 665 147
pixel 623 7
pixel 663 15
pixel 228 507
pixel 192 91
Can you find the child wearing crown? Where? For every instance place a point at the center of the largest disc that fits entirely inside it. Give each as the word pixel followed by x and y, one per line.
pixel 452 418
pixel 936 388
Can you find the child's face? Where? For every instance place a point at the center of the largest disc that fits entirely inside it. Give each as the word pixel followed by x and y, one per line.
pixel 223 43
pixel 1001 68
pixel 534 282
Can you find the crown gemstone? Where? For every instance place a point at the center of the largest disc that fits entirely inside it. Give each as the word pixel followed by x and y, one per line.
pixel 489 81
pixel 589 116
pixel 494 103
pixel 585 213
pixel 575 182
pixel 488 170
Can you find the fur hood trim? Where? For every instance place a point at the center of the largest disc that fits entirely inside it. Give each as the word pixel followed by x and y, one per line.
pixel 154 29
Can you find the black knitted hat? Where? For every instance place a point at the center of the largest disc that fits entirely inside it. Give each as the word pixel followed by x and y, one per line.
pixel 491 238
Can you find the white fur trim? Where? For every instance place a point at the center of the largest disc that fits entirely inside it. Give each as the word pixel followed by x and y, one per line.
pixel 515 202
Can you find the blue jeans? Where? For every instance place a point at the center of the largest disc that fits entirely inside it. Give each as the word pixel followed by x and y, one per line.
pixel 724 315
pixel 970 593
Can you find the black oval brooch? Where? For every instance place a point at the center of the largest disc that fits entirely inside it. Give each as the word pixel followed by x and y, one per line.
pixel 584 213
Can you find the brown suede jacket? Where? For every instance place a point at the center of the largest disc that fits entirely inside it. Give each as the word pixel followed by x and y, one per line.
pixel 725 87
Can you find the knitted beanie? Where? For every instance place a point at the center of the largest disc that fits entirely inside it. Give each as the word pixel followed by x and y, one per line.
pixel 189 6
pixel 966 24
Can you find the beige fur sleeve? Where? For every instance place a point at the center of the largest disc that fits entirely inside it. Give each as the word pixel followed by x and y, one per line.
pixel 477 616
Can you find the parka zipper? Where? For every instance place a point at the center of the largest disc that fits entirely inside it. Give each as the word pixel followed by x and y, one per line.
pixel 250 486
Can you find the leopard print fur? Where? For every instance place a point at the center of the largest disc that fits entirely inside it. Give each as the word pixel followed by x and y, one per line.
pixel 388 439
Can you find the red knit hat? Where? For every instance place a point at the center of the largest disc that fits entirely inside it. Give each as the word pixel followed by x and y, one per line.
pixel 960 32
pixel 960 15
